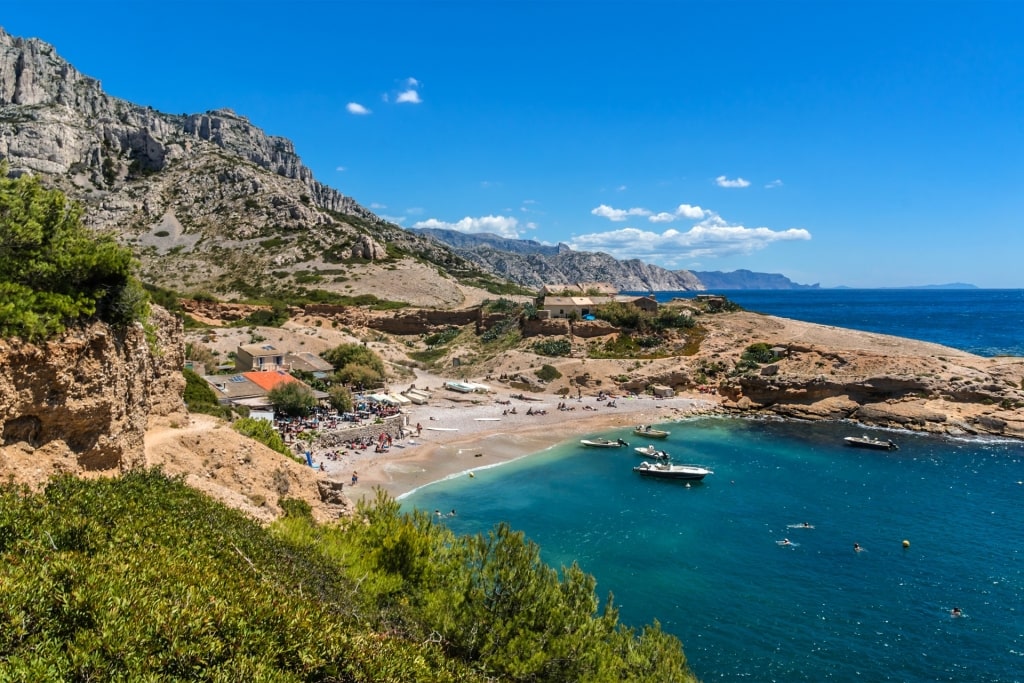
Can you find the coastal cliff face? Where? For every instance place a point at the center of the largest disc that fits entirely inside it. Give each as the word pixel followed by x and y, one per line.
pixel 82 403
pixel 102 402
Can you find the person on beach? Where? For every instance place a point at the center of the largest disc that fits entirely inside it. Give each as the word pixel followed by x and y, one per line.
pixel 355 478
pixel 419 429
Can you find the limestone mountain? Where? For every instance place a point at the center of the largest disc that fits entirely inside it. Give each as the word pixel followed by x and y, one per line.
pixel 532 264
pixel 208 201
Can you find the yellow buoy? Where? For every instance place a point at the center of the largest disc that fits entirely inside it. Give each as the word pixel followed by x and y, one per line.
pixel 906 543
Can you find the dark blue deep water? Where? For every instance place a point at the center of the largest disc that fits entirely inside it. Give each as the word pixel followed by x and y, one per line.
pixel 988 322
pixel 704 560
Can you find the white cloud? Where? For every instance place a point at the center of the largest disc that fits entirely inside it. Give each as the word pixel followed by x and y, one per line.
pixel 410 96
pixel 689 211
pixel 505 226
pixel 378 205
pixel 773 184
pixel 415 211
pixel 620 188
pixel 722 181
pixel 357 109
pixel 397 220
pixel 618 215
pixel 412 82
pixel 711 238
pixel 340 169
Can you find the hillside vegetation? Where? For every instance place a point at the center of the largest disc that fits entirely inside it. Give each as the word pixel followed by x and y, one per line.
pixel 143 578
pixel 55 272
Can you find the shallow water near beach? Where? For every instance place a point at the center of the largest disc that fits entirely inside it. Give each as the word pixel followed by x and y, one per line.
pixel 704 560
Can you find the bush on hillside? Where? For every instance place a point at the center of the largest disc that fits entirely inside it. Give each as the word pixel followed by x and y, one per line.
pixel 54 271
pixel 200 397
pixel 143 578
pixel 264 432
pixel 354 354
pixel 548 373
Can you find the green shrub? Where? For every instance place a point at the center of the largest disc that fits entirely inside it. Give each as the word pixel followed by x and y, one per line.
pixel 442 337
pixel 264 432
pixel 548 373
pixel 553 347
pixel 759 353
pixel 55 272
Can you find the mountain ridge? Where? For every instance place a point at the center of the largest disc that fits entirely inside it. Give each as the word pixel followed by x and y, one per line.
pixel 211 204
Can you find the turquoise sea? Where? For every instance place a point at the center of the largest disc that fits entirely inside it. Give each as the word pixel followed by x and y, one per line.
pixel 705 561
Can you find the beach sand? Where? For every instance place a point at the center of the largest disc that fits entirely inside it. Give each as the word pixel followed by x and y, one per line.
pixel 462 434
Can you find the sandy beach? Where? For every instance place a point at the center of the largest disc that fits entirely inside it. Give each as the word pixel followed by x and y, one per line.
pixel 463 433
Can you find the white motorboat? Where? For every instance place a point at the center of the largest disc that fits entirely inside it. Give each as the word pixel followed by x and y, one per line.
pixel 600 442
pixel 662 470
pixel 651 452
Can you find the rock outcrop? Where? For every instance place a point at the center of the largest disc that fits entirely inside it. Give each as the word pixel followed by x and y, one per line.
pixel 82 403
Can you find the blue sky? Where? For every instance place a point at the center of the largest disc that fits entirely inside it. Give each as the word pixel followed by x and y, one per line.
pixel 862 144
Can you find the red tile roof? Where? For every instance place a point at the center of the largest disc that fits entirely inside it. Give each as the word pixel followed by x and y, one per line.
pixel 269 380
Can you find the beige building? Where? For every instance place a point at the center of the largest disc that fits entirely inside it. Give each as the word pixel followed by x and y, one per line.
pixel 582 306
pixel 258 357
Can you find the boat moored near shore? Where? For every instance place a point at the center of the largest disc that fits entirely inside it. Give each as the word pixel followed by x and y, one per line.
pixel 663 470
pixel 871 442
pixel 649 431
pixel 651 452
pixel 600 442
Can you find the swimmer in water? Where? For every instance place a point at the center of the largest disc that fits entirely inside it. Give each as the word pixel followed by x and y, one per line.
pixel 956 612
pixel 857 548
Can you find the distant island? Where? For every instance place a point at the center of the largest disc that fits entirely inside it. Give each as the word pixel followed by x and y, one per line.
pixel 951 285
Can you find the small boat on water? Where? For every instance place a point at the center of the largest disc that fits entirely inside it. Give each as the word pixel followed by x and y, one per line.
pixel 649 431
pixel 663 470
pixel 871 442
pixel 600 442
pixel 652 452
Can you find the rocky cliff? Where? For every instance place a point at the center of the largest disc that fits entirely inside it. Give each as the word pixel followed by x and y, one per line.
pixel 82 403
pixel 566 266
pixel 209 202
pixel 98 401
